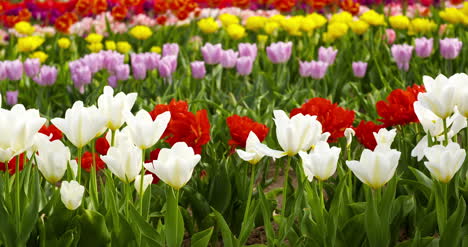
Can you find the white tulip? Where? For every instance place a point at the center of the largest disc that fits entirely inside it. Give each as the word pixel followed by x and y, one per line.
pixel 418 150
pixel 299 133
pixel 384 138
pixel 71 194
pixel 18 127
pixel 124 161
pixel 375 168
pixel 461 99
pixel 143 131
pixel 115 108
pixel 52 160
pixel 444 161
pixel 255 150
pixel 434 126
pixel 175 166
pixel 81 124
pixel 349 133
pixel 147 180
pixel 74 167
pixel 440 96
pixel 321 162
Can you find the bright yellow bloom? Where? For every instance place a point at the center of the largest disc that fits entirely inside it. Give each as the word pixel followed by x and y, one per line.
pixel 95 47
pixel 421 25
pixel 228 19
pixel 110 45
pixel 271 27
pixel 141 32
pixel 373 18
pixel 255 23
pixel 319 20
pixel 399 22
pixel 123 47
pixel 307 24
pixel 39 55
pixel 464 10
pixel 343 17
pixel 262 39
pixel 24 27
pixel 156 49
pixel 277 18
pixel 359 27
pixel 337 29
pixel 29 43
pixel 327 38
pixel 208 25
pixel 64 43
pixel 235 31
pixel 94 38
pixel 452 15
pixel 292 25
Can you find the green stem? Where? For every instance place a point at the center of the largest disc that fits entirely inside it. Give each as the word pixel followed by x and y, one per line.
pixel 445 132
pixel 442 211
pixel 320 191
pixel 113 137
pixel 128 197
pixel 249 197
pixel 79 165
pixel 94 193
pixel 141 181
pixel 285 186
pixel 17 182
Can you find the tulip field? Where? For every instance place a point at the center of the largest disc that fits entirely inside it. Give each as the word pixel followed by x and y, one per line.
pixel 232 123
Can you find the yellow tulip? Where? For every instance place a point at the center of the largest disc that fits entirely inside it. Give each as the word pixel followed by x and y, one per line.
pixel 421 25
pixel 359 27
pixel 24 27
pixel 318 19
pixel 156 49
pixel 64 43
pixel 452 15
pixel 236 31
pixel 95 47
pixel 29 43
pixel 337 29
pixel 110 45
pixel 141 32
pixel 399 22
pixel 39 55
pixel 262 39
pixel 208 25
pixel 292 25
pixel 343 17
pixel 308 24
pixel 255 23
pixel 271 27
pixel 123 47
pixel 228 19
pixel 94 38
pixel 373 18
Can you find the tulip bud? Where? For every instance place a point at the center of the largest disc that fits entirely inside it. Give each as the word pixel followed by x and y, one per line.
pixel 248 50
pixel 359 69
pixel 31 67
pixel 279 52
pixel 321 162
pixel 52 160
pixel 450 48
pixel 71 194
pixel 228 59
pixel 423 46
pixel 147 180
pixel 444 161
pixel 244 65
pixel 211 53
pixel 327 55
pixel 349 133
pixel 198 69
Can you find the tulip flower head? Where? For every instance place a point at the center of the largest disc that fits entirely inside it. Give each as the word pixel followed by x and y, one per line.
pixel 402 55
pixel 444 161
pixel 46 76
pixel 143 131
pixel 211 53
pixel 114 108
pixel 244 65
pixel 248 50
pixel 299 133
pixel 175 166
pixel 450 48
pixel 327 55
pixel 279 52
pixel 314 69
pixel 321 162
pixel 255 150
pixel 147 180
pixel 229 58
pixel 349 133
pixel 359 69
pixel 12 97
pixel 170 49
pixel 71 194
pixel 31 67
pixel 124 161
pixel 440 96
pixel 375 168
pixel 198 69
pixel 384 138
pixel 81 124
pixel 52 159
pixel 423 46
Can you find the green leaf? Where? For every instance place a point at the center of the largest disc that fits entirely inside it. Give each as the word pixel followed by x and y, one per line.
pixel 453 233
pixel 228 239
pixel 173 221
pixel 201 239
pixel 221 185
pixel 94 231
pixel 250 224
pixel 31 212
pixel 143 227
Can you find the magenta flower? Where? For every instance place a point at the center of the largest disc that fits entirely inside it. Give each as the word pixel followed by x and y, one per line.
pixel 390 36
pixel 170 49
pixel 167 66
pixel 402 55
pixel 12 97
pixel 198 69
pixel 359 69
pixel 122 72
pixel 327 55
pixel 423 46
pixel 244 65
pixel 31 67
pixel 139 71
pixel 211 53
pixel 14 69
pixel 112 81
pixel 229 58
pixel 450 48
pixel 279 52
pixel 247 50
pixel 46 76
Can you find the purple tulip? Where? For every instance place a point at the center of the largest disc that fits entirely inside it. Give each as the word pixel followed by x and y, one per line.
pixel 14 69
pixel 305 68
pixel 81 75
pixel 318 69
pixel 112 81
pixel 450 48
pixel 136 58
pixel 31 67
pixel 423 46
pixel 211 53
pixel 151 60
pixel 229 58
pixel 95 61
pixel 248 50
pixel 198 69
pixel 327 55
pixel 122 72
pixel 402 55
pixel 12 97
pixel 170 49
pixel 139 71
pixel 279 52
pixel 167 66
pixel 3 73
pixel 47 76
pixel 244 65
pixel 112 59
pixel 359 69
